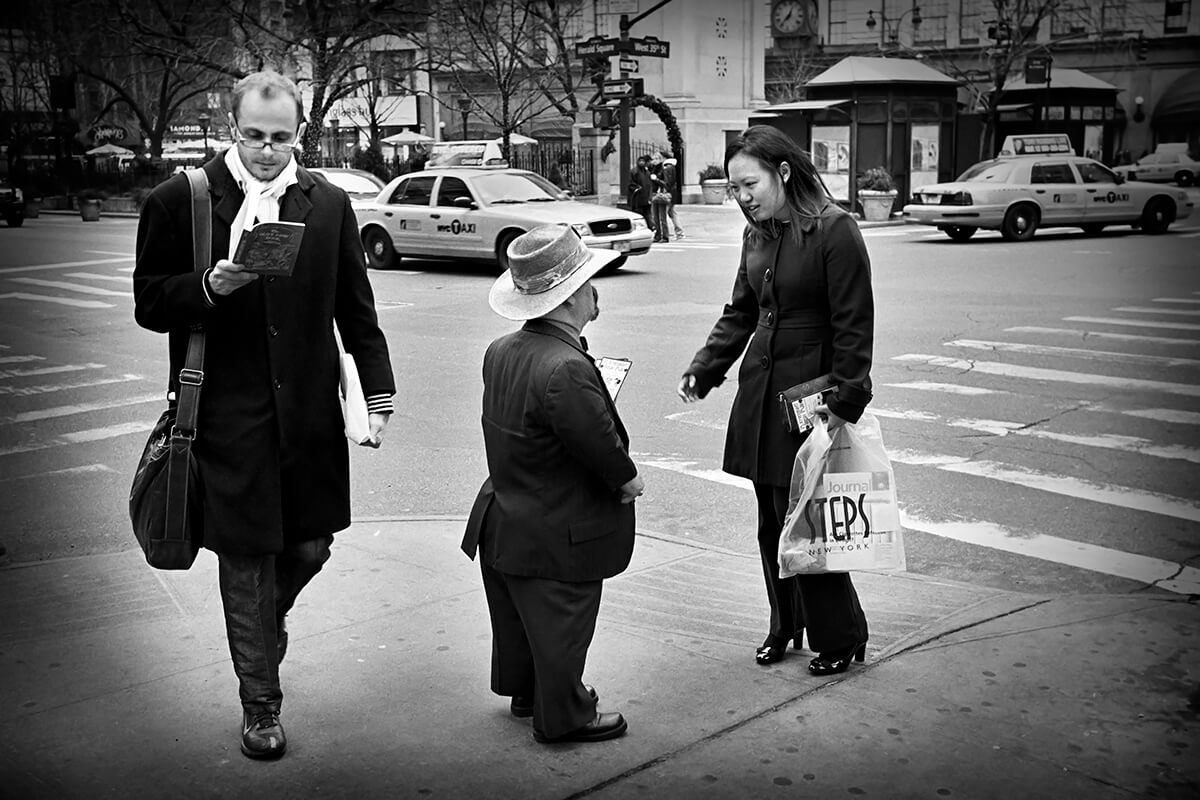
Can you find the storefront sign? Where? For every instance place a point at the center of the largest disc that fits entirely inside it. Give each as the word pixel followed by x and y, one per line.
pixel 106 133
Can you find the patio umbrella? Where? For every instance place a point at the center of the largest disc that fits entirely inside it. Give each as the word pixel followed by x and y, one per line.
pixel 109 149
pixel 516 138
pixel 406 137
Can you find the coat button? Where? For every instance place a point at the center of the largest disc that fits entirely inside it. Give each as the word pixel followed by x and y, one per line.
pixel 770 317
pixel 271 279
pixel 278 384
pixel 766 362
pixel 273 330
pixel 768 275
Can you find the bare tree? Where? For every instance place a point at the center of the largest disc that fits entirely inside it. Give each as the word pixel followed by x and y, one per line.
pixel 27 62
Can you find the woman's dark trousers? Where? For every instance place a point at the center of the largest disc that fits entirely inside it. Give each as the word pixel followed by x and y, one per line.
pixel 825 605
pixel 257 592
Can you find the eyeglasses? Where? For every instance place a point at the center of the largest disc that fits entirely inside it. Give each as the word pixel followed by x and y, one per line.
pixel 262 144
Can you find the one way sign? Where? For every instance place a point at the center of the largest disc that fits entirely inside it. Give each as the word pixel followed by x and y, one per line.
pixel 624 88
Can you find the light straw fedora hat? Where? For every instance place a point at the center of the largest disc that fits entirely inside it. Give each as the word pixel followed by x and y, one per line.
pixel 546 266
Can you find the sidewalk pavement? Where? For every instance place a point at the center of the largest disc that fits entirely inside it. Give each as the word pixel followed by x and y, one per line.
pixel 117 683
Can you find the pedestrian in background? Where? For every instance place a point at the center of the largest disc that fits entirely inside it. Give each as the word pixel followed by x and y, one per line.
pixel 640 189
pixel 660 201
pixel 670 177
pixel 801 308
pixel 555 516
pixel 270 445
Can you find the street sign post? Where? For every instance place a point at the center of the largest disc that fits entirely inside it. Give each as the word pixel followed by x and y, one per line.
pixel 1037 69
pixel 649 46
pixel 597 46
pixel 627 64
pixel 624 88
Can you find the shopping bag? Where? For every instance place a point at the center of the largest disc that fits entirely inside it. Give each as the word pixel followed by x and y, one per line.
pixel 842 510
pixel 354 404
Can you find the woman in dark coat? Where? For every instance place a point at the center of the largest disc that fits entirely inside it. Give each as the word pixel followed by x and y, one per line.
pixel 801 308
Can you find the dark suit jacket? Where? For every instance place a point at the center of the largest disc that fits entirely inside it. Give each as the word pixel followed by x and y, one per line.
pixel 799 311
pixel 557 454
pixel 269 441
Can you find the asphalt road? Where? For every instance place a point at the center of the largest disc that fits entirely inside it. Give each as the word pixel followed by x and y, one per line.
pixel 1038 399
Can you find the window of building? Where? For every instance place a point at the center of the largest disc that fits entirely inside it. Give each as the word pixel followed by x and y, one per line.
pixel 1178 14
pixel 970 20
pixel 394 69
pixel 1112 15
pixel 1069 19
pixel 837 22
pixel 932 29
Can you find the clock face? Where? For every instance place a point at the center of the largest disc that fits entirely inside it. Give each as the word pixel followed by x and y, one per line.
pixel 788 16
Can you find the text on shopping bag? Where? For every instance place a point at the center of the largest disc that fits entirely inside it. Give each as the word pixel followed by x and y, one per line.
pixel 851 505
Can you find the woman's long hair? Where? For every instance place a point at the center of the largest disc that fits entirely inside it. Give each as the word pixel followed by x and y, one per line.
pixel 805 193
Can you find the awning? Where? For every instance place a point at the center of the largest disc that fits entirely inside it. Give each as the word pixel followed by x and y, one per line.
pixel 1180 103
pixel 1013 106
pixel 798 105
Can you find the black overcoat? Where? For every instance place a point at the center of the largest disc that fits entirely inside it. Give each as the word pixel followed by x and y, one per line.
pixel 557 455
pixel 270 445
pixel 799 311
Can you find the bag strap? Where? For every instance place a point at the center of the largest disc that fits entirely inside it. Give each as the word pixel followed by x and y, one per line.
pixel 191 377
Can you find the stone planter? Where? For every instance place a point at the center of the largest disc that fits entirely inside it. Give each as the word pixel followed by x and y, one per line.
pixel 89 210
pixel 33 207
pixel 713 191
pixel 876 206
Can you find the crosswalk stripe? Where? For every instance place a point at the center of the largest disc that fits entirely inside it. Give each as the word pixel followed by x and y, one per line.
pixel 1157 414
pixel 29 391
pixel 1191 312
pixel 83 408
pixel 62 301
pixel 20 359
pixel 1128 444
pixel 82 469
pixel 1151 571
pixel 1116 337
pixel 80 437
pixel 1156 572
pixel 948 388
pixel 1135 323
pixel 1073 352
pixel 72 287
pixel 92 276
pixel 1175 300
pixel 25 373
pixel 63 265
pixel 1050 375
pixel 1109 494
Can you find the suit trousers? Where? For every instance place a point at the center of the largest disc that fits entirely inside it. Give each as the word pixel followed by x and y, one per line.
pixel 541 631
pixel 256 593
pixel 824 604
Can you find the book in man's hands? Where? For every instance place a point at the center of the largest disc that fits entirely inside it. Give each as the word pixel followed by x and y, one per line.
pixel 270 248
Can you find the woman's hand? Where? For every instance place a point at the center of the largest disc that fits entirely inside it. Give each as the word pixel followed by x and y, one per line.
pixel 687 389
pixel 832 420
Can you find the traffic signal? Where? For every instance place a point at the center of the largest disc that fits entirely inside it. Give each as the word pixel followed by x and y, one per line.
pixel 1001 32
pixel 1143 48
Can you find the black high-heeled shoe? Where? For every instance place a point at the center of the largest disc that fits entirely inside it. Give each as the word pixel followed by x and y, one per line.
pixel 769 653
pixel 828 665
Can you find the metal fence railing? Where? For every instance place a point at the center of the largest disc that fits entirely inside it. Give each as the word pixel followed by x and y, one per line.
pixel 571 169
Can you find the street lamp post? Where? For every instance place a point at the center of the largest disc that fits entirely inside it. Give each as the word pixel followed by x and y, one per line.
pixel 892 30
pixel 464 105
pixel 336 150
pixel 204 118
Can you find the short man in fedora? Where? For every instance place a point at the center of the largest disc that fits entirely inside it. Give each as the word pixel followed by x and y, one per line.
pixel 555 516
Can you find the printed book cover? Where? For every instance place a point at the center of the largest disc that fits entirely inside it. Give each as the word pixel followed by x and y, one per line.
pixel 270 248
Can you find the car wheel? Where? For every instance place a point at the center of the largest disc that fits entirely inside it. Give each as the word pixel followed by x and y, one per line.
pixel 614 265
pixel 15 221
pixel 380 252
pixel 1183 178
pixel 1093 229
pixel 1158 215
pixel 502 248
pixel 1019 223
pixel 959 233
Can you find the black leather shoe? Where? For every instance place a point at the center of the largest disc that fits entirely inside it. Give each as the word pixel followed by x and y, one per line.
pixel 770 652
pixel 832 665
pixel 523 706
pixel 262 735
pixel 603 727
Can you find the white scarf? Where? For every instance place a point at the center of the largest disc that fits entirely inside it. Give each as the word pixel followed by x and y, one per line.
pixel 261 200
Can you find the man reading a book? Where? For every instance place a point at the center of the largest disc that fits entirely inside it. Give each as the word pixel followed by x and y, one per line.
pixel 269 441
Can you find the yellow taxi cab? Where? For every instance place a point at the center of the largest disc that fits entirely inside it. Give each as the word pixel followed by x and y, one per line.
pixel 1038 182
pixel 475 212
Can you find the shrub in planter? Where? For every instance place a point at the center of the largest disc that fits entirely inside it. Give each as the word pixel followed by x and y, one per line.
pixel 713 184
pixel 876 194
pixel 88 201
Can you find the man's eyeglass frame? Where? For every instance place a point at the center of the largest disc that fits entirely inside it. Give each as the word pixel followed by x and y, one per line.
pixel 263 144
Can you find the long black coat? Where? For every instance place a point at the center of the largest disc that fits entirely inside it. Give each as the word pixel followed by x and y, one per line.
pixel 273 458
pixel 806 310
pixel 557 454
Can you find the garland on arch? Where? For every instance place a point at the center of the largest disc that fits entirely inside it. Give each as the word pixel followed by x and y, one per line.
pixel 664 113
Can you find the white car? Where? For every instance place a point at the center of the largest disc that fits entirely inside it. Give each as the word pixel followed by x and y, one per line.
pixel 1016 195
pixel 475 212
pixel 359 184
pixel 1163 166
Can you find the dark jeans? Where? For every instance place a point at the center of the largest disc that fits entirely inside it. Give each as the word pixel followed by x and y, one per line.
pixel 256 592
pixel 659 221
pixel 825 605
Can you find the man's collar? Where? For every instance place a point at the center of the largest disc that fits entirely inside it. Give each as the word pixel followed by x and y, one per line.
pixel 559 331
